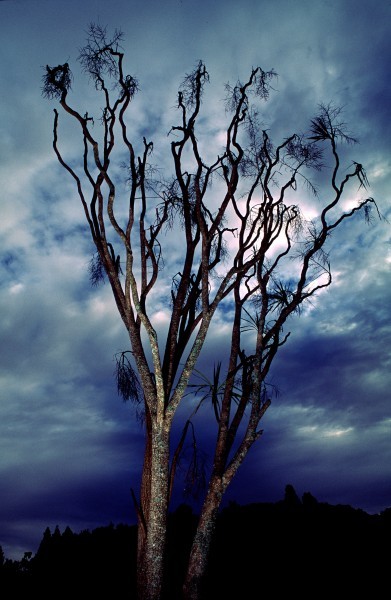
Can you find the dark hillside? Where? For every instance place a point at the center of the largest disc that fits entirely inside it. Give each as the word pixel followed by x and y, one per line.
pixel 299 547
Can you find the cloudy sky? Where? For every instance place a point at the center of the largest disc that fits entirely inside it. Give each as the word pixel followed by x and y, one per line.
pixel 70 449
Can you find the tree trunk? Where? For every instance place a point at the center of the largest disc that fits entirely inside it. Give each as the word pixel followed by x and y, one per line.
pixel 153 515
pixel 192 589
pixel 143 515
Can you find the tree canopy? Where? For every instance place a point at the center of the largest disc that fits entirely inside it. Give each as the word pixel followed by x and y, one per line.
pixel 243 248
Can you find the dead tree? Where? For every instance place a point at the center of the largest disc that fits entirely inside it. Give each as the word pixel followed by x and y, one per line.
pixel 236 241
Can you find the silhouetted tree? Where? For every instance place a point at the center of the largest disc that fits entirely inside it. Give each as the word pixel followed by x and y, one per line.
pixel 46 543
pixel 309 501
pixel 237 241
pixel 291 499
pixel 56 535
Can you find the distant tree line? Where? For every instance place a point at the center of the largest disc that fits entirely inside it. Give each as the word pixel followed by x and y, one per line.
pixel 294 546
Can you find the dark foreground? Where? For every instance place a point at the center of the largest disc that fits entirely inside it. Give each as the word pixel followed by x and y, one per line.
pixel 294 547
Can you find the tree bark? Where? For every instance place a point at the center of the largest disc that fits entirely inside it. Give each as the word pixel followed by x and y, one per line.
pixel 193 586
pixel 143 515
pixel 153 515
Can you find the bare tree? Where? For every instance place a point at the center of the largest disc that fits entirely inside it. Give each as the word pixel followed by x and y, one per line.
pixel 237 242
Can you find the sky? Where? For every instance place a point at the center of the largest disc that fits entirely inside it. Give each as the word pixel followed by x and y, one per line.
pixel 70 449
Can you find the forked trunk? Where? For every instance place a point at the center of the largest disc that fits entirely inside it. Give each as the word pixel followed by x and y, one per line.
pixel 193 586
pixel 153 516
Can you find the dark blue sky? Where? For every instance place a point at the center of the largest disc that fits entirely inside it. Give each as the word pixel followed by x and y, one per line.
pixel 70 450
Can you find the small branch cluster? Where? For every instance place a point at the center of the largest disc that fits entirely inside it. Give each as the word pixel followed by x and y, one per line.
pixel 56 81
pixel 98 56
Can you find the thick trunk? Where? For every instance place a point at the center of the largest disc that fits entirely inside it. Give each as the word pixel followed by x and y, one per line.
pixel 153 516
pixel 193 586
pixel 143 516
